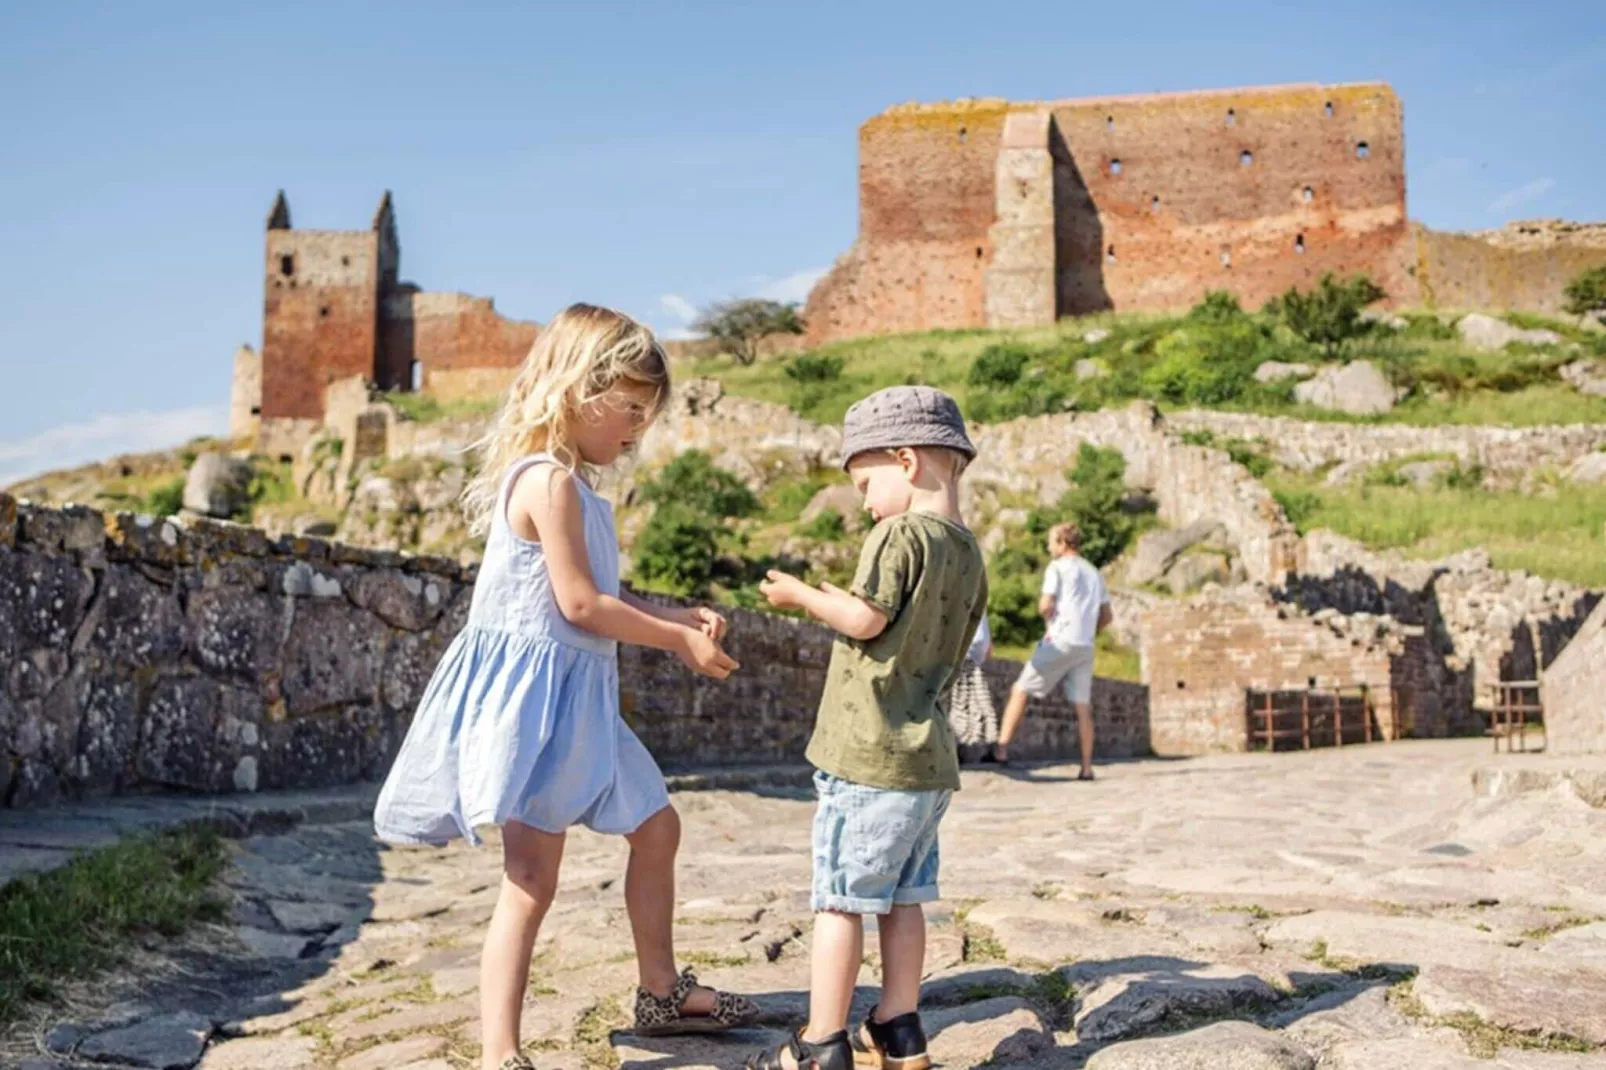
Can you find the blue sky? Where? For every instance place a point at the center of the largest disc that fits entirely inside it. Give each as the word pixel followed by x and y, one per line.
pixel 649 156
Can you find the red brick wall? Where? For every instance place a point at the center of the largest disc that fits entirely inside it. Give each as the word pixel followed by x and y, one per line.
pixel 927 198
pixel 320 318
pixel 448 332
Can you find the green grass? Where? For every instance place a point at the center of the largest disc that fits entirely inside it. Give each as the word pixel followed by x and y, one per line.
pixel 425 409
pixel 1557 535
pixel 72 922
pixel 1452 384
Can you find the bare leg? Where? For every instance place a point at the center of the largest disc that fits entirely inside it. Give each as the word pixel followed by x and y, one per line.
pixel 838 951
pixel 1014 713
pixel 903 960
pixel 530 860
pixel 650 901
pixel 1084 734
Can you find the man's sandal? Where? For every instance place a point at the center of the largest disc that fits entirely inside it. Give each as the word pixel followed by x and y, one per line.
pixel 795 1053
pixel 663 1016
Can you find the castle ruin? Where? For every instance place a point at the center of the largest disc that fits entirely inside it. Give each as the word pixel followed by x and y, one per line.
pixel 335 308
pixel 1002 214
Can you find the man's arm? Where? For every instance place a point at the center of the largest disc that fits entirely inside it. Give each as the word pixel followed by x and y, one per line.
pixel 1106 615
pixel 1045 607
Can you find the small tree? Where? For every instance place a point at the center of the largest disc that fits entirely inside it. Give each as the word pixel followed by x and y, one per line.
pixel 1587 293
pixel 1330 315
pixel 740 325
pixel 694 481
pixel 677 550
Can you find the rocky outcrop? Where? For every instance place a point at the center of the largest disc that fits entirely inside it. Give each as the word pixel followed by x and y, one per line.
pixel 1357 388
pixel 217 485
pixel 1489 334
pixel 1574 691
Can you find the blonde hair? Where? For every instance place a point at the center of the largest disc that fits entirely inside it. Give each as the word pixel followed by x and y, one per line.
pixel 582 354
pixel 1065 537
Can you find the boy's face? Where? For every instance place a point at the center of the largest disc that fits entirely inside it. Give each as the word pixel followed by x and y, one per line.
pixel 885 481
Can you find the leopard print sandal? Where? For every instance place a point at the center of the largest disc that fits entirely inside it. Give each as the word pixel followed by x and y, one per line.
pixel 662 1017
pixel 517 1062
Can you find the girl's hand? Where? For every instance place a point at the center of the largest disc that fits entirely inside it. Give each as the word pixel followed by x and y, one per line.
pixel 708 622
pixel 783 590
pixel 701 653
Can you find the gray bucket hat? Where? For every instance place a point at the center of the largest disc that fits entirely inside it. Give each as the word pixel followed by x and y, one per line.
pixel 904 416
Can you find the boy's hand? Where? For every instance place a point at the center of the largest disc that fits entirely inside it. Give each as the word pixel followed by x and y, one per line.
pixel 783 589
pixel 701 653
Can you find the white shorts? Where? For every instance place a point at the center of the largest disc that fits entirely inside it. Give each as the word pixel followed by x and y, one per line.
pixel 1052 664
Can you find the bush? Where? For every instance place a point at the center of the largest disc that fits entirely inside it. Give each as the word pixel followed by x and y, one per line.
pixel 1330 315
pixel 1587 292
pixel 814 368
pixel 1218 306
pixel 739 326
pixel 1299 506
pixel 1248 454
pixel 1095 503
pixel 1207 364
pixel 693 480
pixel 999 366
pixel 677 550
pixel 166 499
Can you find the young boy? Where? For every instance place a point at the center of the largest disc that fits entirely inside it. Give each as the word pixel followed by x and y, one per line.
pixel 882 745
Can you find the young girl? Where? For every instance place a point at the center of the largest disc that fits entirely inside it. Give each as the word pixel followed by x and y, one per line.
pixel 520 725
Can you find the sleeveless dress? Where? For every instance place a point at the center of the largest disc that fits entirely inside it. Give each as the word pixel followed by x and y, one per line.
pixel 520 721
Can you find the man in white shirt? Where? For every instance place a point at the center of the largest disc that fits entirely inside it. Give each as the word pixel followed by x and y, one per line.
pixel 1077 607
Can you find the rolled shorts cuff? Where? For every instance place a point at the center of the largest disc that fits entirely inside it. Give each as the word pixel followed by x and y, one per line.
pixel 909 897
pixel 847 904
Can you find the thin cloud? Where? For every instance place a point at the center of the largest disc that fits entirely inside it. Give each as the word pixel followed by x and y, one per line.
pixel 1526 193
pixel 679 307
pixel 794 288
pixel 106 436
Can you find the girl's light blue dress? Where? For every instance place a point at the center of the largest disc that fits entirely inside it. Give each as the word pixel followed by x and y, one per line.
pixel 521 719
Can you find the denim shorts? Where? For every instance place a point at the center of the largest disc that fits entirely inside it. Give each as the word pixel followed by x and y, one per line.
pixel 874 848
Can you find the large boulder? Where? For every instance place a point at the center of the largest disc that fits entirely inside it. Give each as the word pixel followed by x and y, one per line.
pixel 1490 334
pixel 217 485
pixel 1157 551
pixel 1586 376
pixel 1358 388
pixel 1590 468
pixel 1193 571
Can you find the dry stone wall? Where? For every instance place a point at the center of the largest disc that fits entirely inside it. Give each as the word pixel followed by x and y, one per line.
pixel 204 656
pixel 1573 692
pixel 1505 453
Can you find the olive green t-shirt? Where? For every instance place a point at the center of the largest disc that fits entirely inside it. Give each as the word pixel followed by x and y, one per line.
pixel 883 718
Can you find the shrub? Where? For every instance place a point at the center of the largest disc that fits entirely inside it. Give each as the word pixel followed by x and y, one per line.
pixel 677 550
pixel 693 480
pixel 166 499
pixel 1587 292
pixel 1207 364
pixel 814 368
pixel 999 366
pixel 739 326
pixel 1299 506
pixel 1218 306
pixel 1248 454
pixel 1095 503
pixel 1330 315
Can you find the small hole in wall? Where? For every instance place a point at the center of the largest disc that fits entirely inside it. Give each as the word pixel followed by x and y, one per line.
pixel 963 133
pixel 1362 150
pixel 323 312
pixel 345 261
pixel 1154 204
pixel 1115 167
pixel 1109 255
pixel 1327 109
pixel 1226 258
pixel 256 410
pixel 415 375
pixel 1308 194
pixel 1310 682
pixel 1182 685
pixel 978 252
pixel 287 265
pixel 1232 117
pixel 1109 122
pixel 1299 244
pixel 1245 158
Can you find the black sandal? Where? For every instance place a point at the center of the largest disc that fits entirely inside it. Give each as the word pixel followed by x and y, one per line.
pixel 896 1044
pixel 795 1053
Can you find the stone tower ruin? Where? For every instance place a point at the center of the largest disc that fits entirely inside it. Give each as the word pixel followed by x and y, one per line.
pixel 335 309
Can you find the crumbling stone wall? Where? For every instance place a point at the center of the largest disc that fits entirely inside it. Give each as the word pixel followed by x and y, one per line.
pixel 1573 692
pixel 1506 454
pixel 1523 266
pixel 1200 656
pixel 1150 200
pixel 204 656
pixel 463 347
